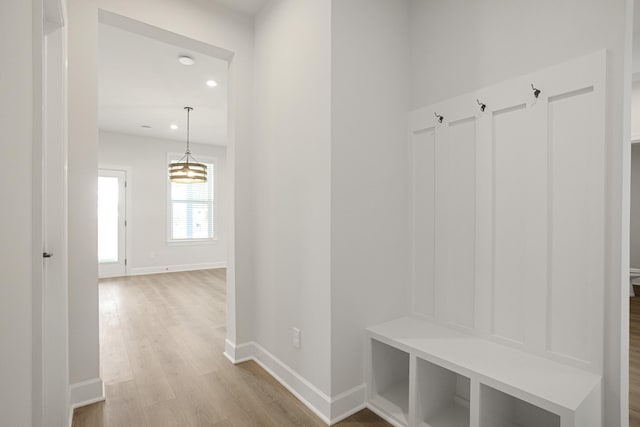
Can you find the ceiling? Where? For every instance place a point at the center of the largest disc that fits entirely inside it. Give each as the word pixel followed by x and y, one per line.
pixel 141 83
pixel 250 7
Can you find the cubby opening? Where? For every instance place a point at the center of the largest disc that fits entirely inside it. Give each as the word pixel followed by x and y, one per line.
pixel 498 409
pixel 442 396
pixel 390 375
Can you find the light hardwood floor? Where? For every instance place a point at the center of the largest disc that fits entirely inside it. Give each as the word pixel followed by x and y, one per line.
pixel 634 360
pixel 161 344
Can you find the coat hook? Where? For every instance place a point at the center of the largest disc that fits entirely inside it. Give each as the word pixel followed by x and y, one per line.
pixel 482 105
pixel 536 92
pixel 439 117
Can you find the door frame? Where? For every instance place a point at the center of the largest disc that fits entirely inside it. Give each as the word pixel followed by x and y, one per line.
pixel 50 384
pixel 235 309
pixel 127 210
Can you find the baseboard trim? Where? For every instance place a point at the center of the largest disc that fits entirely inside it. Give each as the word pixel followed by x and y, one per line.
pixel 85 393
pixel 313 398
pixel 348 403
pixel 176 267
pixel 345 404
pixel 238 353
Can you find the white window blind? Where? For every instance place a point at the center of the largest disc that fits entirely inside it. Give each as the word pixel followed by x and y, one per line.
pixel 191 209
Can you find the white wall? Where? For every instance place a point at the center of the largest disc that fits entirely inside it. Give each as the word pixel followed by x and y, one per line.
pixel 292 185
pixel 203 22
pixel 82 193
pixel 458 46
pixel 146 161
pixel 16 250
pixel 369 213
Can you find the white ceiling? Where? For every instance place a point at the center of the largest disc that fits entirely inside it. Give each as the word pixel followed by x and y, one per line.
pixel 250 7
pixel 142 83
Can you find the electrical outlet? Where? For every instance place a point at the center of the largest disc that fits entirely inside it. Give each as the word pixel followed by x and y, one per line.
pixel 296 338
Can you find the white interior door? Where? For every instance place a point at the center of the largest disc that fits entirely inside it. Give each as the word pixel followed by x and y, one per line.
pixel 112 223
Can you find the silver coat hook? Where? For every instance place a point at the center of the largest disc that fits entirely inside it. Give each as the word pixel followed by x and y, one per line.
pixel 482 105
pixel 536 91
pixel 439 117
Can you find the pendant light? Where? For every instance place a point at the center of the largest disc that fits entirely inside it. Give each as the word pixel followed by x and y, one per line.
pixel 188 170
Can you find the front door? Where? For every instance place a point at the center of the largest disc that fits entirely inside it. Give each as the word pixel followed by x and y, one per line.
pixel 112 223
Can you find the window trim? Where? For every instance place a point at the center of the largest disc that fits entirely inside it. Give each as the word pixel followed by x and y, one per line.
pixel 194 241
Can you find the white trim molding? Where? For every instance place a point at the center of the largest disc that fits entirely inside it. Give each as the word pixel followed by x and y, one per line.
pixel 177 267
pixel 344 404
pixel 348 403
pixel 300 387
pixel 238 353
pixel 86 392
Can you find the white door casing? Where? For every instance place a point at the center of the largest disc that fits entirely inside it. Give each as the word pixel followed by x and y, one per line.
pixel 50 289
pixel 55 236
pixel 509 212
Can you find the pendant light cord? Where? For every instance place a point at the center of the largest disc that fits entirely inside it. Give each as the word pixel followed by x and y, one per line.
pixel 188 153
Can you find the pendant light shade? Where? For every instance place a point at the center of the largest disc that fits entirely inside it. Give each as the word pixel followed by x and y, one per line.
pixel 187 170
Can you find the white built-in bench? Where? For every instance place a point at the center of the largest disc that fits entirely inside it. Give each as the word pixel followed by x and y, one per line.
pixel 422 374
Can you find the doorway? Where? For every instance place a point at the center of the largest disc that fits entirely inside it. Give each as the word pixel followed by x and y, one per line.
pixel 147 225
pixel 112 223
pixel 50 380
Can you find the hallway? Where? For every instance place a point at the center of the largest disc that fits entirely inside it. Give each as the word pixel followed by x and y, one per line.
pixel 162 341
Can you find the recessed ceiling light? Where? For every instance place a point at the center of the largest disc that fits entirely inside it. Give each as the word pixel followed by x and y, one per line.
pixel 146 126
pixel 212 83
pixel 174 127
pixel 186 60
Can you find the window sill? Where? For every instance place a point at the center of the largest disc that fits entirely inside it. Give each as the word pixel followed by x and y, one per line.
pixel 195 242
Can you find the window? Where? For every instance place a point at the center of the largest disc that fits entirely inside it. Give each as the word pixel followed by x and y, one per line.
pixel 192 207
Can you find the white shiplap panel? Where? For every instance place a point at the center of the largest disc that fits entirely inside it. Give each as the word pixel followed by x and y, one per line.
pixel 519 224
pixel 510 214
pixel 455 224
pixel 538 206
pixel 423 187
pixel 576 222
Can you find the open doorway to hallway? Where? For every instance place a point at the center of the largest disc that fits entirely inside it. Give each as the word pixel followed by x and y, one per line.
pixel 144 86
pixel 148 225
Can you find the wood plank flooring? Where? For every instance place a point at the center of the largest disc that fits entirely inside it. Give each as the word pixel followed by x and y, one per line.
pixel 634 360
pixel 161 343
